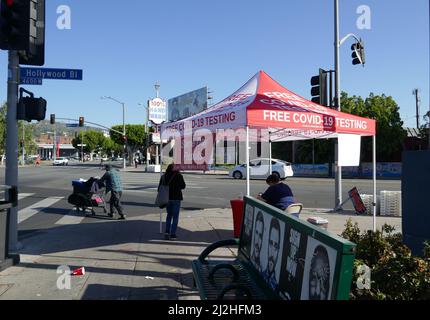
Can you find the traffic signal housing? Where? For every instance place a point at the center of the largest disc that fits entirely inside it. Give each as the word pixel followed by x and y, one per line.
pixel 81 121
pixel 35 53
pixel 15 24
pixel 358 53
pixel 30 108
pixel 319 88
pixel 52 118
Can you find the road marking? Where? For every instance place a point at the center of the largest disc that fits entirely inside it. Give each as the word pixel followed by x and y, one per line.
pixel 72 217
pixel 24 195
pixel 30 211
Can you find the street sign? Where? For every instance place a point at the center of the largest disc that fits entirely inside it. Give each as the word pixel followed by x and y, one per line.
pixel 53 74
pixel 30 81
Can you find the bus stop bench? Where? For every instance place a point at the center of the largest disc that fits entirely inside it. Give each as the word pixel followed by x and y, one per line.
pixel 279 257
pixel 229 280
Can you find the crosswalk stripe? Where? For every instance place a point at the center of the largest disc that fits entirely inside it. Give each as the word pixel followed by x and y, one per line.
pixel 35 208
pixel 71 218
pixel 24 195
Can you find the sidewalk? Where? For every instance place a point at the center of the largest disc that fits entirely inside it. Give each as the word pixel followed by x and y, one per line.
pixel 129 259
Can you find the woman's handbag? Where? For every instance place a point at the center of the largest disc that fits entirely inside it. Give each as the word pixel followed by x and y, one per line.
pixel 163 193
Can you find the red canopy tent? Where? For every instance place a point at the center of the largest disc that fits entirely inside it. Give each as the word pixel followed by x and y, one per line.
pixel 264 103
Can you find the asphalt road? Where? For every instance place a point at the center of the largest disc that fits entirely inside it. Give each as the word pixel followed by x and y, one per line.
pixel 44 191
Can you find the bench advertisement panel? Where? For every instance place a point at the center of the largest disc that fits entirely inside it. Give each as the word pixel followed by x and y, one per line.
pixel 297 260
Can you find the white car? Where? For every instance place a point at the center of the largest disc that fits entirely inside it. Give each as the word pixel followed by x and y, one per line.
pixel 61 162
pixel 260 168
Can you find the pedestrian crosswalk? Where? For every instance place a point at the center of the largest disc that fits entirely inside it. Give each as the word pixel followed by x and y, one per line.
pixel 35 208
pixel 71 218
pixel 51 211
pixel 37 211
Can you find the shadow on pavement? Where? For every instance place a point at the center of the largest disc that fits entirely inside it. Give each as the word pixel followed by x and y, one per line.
pixel 112 233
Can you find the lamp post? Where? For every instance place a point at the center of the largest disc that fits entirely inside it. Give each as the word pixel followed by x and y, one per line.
pixel 147 134
pixel 123 125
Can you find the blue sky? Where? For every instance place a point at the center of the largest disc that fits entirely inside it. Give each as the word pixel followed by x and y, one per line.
pixel 125 47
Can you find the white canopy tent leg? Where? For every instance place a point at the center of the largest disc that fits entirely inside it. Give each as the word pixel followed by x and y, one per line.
pixel 374 184
pixel 248 169
pixel 270 156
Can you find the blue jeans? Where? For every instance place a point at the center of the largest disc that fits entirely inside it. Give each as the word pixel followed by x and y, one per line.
pixel 173 208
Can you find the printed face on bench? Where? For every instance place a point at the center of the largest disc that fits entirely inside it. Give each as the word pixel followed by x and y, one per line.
pixel 274 243
pixel 319 277
pixel 258 238
pixel 249 217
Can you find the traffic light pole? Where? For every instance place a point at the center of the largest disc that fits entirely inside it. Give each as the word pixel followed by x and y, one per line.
pixel 12 144
pixel 338 170
pixel 23 143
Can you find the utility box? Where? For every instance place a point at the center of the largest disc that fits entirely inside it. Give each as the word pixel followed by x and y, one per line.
pixel 415 199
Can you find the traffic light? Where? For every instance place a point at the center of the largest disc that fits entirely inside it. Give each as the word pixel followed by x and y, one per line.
pixel 319 88
pixel 35 54
pixel 52 118
pixel 15 24
pixel 81 121
pixel 30 108
pixel 358 54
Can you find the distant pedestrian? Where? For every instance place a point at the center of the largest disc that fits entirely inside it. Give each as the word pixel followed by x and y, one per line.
pixel 136 161
pixel 38 161
pixel 174 179
pixel 113 184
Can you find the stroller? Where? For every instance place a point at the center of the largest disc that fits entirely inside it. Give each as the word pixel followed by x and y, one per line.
pixel 88 195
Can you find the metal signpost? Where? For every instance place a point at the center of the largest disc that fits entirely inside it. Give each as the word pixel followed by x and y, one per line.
pixel 27 76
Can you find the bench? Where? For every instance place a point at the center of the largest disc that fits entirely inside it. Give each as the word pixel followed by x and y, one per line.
pixel 279 257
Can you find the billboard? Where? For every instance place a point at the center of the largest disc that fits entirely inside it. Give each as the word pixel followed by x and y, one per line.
pixel 188 104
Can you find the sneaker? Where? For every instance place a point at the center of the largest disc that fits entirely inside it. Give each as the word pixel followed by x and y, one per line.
pixel 110 215
pixel 166 236
pixel 122 217
pixel 173 237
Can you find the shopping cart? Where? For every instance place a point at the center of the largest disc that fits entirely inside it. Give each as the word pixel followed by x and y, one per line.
pixel 88 194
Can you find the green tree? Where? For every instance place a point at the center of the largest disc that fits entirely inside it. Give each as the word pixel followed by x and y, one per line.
pixel 136 138
pixel 110 147
pixel 93 141
pixel 390 134
pixel 29 142
pixel 30 145
pixel 389 131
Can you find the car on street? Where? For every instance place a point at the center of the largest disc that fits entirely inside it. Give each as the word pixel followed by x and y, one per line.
pixel 260 169
pixel 61 162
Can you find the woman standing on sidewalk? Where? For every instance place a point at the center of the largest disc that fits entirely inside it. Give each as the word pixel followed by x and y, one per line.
pixel 174 179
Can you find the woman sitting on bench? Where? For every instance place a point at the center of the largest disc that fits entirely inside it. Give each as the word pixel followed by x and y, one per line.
pixel 278 194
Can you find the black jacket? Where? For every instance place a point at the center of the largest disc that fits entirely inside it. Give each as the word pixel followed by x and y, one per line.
pixel 176 185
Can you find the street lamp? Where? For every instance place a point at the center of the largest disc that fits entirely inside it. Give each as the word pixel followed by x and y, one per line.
pixel 123 124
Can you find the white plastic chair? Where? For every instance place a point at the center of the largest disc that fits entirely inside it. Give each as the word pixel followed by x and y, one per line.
pixel 295 209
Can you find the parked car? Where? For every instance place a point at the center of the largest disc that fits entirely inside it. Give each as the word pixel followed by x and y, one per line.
pixel 61 162
pixel 259 169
